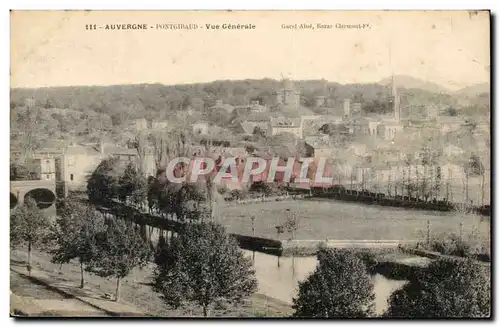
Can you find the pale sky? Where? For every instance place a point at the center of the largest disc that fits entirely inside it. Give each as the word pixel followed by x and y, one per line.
pixel 52 48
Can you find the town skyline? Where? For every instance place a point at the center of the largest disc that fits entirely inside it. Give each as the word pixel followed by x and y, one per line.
pixel 437 47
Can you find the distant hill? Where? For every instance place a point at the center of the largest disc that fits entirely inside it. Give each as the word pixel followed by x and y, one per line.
pixel 408 82
pixel 474 90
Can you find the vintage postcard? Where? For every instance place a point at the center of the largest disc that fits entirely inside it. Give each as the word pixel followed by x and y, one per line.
pixel 293 164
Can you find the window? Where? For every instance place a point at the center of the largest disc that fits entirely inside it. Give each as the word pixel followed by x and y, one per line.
pixel 71 176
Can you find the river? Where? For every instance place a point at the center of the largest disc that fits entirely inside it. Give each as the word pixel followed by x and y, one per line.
pixel 282 282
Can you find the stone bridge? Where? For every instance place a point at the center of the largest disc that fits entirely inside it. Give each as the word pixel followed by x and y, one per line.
pixel 42 191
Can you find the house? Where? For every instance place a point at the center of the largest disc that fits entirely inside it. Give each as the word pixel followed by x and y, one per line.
pixel 358 126
pixel 252 121
pixel 220 105
pixel 373 128
pixel 449 123
pixel 347 108
pixel 278 125
pixel 356 108
pixel 42 162
pixel 255 106
pixel 140 124
pixel 388 129
pixel 451 150
pixel 201 128
pixel 80 160
pixel 320 101
pixel 287 95
pixel 159 124
pixel 320 146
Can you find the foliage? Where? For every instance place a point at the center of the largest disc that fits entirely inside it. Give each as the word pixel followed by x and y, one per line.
pixel 28 226
pixel 475 166
pixel 131 183
pixel 468 246
pixel 203 266
pixel 84 112
pixel 19 172
pixel 74 234
pixel 103 182
pixel 121 248
pixel 446 289
pixel 339 287
pixel 450 111
pixel 170 144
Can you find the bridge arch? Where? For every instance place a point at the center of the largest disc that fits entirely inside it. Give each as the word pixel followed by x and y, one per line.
pixel 13 201
pixel 44 198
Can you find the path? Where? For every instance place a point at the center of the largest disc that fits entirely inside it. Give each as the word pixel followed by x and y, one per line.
pixel 137 297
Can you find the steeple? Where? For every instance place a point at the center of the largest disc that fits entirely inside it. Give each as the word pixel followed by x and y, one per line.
pixel 395 97
pixel 394 93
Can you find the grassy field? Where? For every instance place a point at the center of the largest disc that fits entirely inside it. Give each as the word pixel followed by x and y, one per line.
pixel 336 220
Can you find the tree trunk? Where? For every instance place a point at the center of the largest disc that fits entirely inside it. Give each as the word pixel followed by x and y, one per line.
pixel 29 258
pixel 82 281
pixel 482 190
pixel 206 312
pixel 117 295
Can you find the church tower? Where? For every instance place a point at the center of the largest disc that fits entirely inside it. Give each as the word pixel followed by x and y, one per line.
pixel 396 101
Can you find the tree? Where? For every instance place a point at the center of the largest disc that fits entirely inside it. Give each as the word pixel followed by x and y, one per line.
pixel 131 183
pixel 75 233
pixel 203 266
pixel 29 226
pixel 447 288
pixel 140 144
pixel 121 248
pixel 450 111
pixel 19 172
pixel 339 287
pixel 103 183
pixel 168 145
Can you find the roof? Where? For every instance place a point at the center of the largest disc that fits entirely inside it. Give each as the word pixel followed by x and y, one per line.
pixel 450 119
pixel 257 116
pixel 285 122
pixel 293 110
pixel 234 151
pixel 248 127
pixel 225 106
pixel 288 84
pixel 78 149
pixel 110 149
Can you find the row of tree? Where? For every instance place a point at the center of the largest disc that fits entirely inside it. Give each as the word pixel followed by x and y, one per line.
pixel 203 265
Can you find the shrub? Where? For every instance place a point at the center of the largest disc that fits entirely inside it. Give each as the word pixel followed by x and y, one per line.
pixel 469 246
pixel 203 266
pixel 339 287
pixel 447 288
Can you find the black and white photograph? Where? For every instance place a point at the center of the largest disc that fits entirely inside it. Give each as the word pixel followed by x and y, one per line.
pixel 250 164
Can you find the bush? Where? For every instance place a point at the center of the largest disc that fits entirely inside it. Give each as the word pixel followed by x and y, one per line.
pixel 452 244
pixel 339 287
pixel 469 246
pixel 447 288
pixel 203 266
